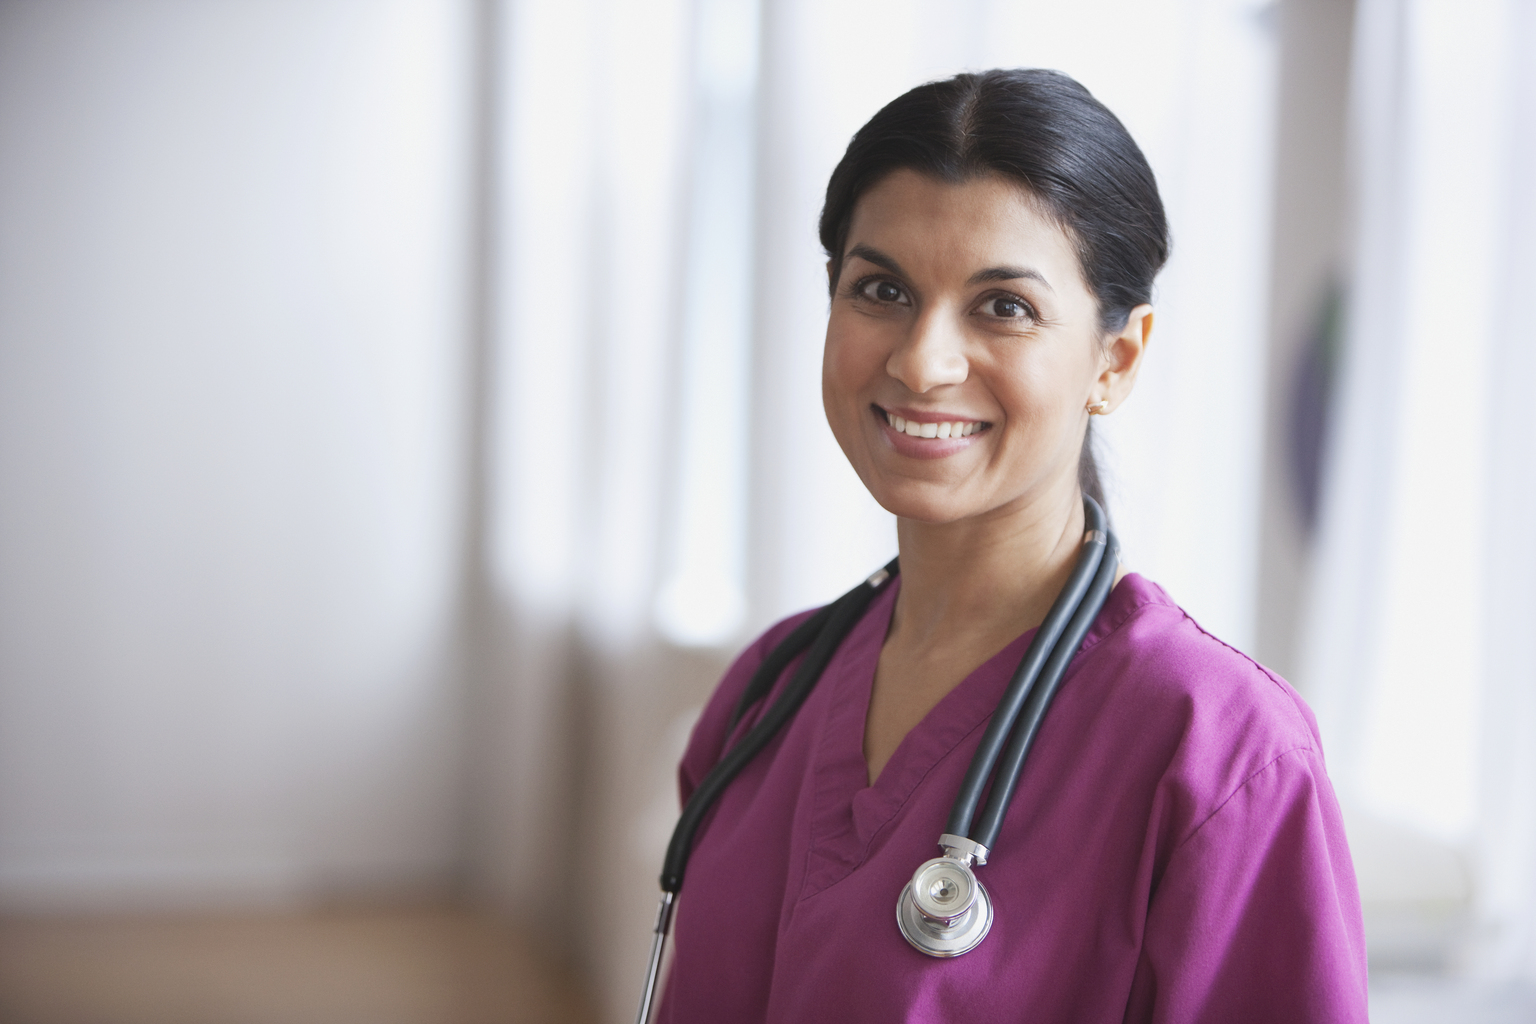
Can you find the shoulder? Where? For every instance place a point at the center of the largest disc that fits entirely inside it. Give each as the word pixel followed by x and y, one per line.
pixel 708 740
pixel 1219 717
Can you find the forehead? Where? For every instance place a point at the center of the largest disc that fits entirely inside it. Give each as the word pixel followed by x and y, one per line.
pixel 933 226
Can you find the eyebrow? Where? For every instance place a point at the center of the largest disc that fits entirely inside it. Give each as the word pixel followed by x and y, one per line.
pixel 1009 274
pixel 878 258
pixel 881 260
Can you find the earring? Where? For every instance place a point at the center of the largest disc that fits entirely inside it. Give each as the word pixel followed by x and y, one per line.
pixel 1098 408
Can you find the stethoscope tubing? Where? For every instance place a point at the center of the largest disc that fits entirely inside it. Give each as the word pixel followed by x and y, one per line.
pixel 1045 641
pixel 1010 767
pixel 845 611
pixel 823 632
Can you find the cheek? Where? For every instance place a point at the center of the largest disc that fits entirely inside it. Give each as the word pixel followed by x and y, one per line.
pixel 1042 397
pixel 852 358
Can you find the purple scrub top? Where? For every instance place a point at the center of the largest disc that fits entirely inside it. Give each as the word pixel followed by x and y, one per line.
pixel 1174 851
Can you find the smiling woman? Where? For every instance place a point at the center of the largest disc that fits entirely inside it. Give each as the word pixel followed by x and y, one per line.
pixel 1174 851
pixel 961 305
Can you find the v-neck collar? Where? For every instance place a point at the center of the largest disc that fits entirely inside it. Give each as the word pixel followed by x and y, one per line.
pixel 848 812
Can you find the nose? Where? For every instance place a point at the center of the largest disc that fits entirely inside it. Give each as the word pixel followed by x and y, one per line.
pixel 930 355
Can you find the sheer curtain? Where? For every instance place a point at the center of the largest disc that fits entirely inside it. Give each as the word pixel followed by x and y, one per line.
pixel 1418 646
pixel 660 481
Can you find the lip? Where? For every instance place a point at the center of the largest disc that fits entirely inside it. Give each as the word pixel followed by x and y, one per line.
pixel 925 447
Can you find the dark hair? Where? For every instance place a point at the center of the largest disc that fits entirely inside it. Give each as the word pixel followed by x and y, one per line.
pixel 1048 133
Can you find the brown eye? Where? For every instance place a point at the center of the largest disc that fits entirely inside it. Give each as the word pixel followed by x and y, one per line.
pixel 882 291
pixel 1006 307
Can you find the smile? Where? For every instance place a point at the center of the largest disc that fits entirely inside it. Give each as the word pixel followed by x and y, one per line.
pixel 946 428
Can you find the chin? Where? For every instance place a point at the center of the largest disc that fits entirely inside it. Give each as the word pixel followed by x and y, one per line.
pixel 924 503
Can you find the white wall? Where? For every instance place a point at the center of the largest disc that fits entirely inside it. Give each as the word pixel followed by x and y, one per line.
pixel 230 343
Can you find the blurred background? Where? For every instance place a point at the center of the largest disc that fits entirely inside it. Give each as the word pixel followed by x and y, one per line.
pixel 408 407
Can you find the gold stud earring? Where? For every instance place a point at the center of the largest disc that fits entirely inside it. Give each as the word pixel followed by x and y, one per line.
pixel 1098 408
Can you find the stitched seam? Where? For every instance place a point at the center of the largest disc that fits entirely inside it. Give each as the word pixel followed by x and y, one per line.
pixel 1136 610
pixel 1236 790
pixel 1285 691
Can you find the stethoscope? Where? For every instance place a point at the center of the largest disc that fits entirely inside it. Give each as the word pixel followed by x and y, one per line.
pixel 944 910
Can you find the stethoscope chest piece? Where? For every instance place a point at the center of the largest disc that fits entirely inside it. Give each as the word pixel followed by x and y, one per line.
pixel 944 910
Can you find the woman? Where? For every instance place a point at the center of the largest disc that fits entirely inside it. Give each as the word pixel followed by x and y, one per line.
pixel 1174 851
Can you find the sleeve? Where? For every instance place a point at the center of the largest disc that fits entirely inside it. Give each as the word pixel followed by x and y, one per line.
pixel 707 742
pixel 1257 915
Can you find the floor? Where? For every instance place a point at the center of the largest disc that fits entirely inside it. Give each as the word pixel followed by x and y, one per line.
pixel 429 966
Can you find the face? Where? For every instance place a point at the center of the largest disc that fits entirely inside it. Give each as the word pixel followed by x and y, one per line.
pixel 963 349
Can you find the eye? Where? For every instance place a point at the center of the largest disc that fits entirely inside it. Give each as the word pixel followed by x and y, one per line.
pixel 879 289
pixel 1007 307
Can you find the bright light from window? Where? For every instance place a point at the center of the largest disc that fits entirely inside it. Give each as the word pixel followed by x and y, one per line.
pixel 702 599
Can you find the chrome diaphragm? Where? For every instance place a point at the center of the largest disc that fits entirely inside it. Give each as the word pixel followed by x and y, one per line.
pixel 944 910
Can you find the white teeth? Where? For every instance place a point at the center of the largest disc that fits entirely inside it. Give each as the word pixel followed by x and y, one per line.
pixel 912 428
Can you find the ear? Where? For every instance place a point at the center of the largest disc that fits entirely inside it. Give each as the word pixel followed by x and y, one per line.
pixel 1122 360
pixel 831 276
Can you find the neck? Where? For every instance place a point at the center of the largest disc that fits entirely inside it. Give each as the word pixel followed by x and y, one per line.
pixel 996 576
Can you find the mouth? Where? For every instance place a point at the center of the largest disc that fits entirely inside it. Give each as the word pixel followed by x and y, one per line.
pixel 931 429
